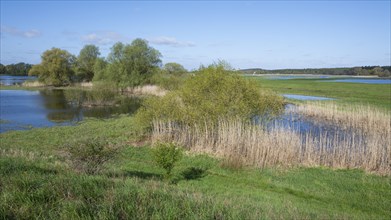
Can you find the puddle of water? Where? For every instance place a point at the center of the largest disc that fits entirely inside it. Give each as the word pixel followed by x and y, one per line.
pixel 306 97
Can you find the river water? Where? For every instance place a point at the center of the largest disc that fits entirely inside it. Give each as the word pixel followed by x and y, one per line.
pixel 22 109
pixel 14 80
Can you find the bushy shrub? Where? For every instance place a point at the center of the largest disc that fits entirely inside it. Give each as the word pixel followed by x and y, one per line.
pixel 166 155
pixel 167 81
pixel 213 93
pixel 89 155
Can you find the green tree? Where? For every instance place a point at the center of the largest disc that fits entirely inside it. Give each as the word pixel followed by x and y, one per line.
pixel 100 70
pixel 56 67
pixel 170 77
pixel 174 69
pixel 18 69
pixel 3 70
pixel 166 155
pixel 86 61
pixel 132 65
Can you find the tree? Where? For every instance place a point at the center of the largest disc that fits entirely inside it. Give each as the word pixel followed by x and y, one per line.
pixel 56 67
pixel 18 69
pixel 132 65
pixel 174 69
pixel 86 61
pixel 100 69
pixel 3 70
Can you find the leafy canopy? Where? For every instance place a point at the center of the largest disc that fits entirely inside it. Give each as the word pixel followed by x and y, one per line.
pixel 86 61
pixel 166 155
pixel 56 67
pixel 174 69
pixel 129 65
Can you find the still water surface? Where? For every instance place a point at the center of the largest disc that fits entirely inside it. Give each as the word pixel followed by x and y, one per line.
pixel 306 97
pixel 14 80
pixel 361 80
pixel 21 109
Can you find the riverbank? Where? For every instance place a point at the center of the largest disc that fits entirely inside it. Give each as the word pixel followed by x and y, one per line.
pixel 38 181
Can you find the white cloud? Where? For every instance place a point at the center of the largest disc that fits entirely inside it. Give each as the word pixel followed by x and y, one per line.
pixel 20 33
pixel 171 41
pixel 102 38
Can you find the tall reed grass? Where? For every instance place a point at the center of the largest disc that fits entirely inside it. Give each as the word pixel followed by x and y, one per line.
pixel 360 146
pixel 363 117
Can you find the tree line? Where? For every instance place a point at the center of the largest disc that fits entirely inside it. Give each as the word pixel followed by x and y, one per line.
pixel 381 71
pixel 127 65
pixel 18 69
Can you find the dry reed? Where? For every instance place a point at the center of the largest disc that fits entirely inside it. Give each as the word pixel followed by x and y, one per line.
pixel 363 117
pixel 147 90
pixel 33 84
pixel 366 145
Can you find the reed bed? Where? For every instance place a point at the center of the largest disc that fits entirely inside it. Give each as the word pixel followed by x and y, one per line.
pixel 363 147
pixel 147 90
pixel 363 117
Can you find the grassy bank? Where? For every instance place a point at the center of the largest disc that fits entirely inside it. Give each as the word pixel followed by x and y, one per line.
pixel 38 182
pixel 353 93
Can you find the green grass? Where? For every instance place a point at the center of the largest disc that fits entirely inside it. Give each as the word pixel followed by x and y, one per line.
pixel 378 95
pixel 37 183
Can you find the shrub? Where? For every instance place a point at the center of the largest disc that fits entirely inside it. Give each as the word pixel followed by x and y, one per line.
pixel 211 94
pixel 168 82
pixel 90 155
pixel 166 155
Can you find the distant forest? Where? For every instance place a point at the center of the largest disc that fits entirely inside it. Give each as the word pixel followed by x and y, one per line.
pixel 18 69
pixel 381 71
pixel 22 69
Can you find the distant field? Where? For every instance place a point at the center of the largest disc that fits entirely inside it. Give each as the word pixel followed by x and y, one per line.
pixel 355 93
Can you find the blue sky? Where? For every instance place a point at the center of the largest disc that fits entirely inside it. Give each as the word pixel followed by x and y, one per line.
pixel 247 34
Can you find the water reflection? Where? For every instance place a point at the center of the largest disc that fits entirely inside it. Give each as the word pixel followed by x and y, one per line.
pixel 14 80
pixel 21 109
pixel 306 97
pixel 311 129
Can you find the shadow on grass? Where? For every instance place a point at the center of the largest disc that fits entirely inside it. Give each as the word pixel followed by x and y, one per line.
pixel 143 175
pixel 193 173
pixel 134 173
pixel 9 167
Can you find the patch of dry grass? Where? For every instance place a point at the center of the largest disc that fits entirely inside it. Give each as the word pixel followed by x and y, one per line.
pixel 147 90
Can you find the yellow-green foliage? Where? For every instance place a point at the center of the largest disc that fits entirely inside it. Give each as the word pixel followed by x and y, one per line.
pixel 166 155
pixel 211 94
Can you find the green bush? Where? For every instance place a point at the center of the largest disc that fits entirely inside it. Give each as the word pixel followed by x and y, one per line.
pixel 166 155
pixel 167 81
pixel 213 93
pixel 89 155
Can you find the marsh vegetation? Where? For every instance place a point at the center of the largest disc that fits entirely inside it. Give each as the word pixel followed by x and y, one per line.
pixel 210 144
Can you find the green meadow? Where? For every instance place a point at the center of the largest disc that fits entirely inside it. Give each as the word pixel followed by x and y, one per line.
pixel 378 95
pixel 37 181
